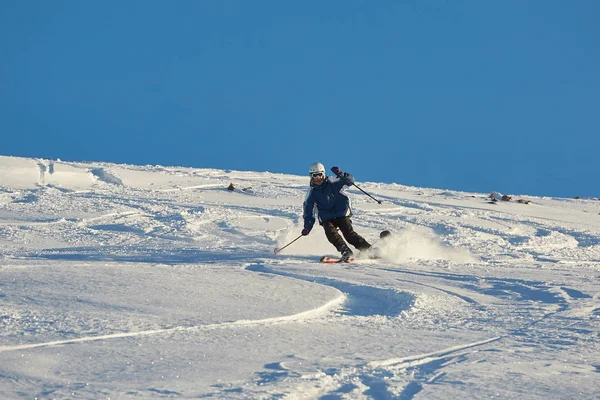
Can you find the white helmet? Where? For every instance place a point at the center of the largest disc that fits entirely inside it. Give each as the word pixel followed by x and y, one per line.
pixel 316 168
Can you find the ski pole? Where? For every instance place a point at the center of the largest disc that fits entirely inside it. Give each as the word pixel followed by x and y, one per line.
pixel 379 201
pixel 354 184
pixel 278 250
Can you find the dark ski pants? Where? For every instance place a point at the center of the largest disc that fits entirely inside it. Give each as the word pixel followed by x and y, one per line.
pixel 345 225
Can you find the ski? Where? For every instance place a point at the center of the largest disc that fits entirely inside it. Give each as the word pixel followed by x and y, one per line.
pixel 334 260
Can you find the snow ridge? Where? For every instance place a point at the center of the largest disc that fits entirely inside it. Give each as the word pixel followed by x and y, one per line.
pixel 305 315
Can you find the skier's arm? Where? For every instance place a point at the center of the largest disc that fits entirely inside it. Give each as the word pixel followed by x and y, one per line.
pixel 344 179
pixel 309 206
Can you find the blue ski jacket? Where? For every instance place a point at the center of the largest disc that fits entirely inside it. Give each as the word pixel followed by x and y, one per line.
pixel 327 201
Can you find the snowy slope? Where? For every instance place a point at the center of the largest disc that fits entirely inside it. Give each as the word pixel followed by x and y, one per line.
pixel 120 281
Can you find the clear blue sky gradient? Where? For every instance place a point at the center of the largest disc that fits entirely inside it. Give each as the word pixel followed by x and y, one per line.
pixel 468 95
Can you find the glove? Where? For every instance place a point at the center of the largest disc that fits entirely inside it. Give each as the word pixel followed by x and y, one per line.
pixel 305 232
pixel 336 170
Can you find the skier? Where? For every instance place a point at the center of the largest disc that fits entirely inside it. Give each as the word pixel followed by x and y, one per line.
pixel 326 199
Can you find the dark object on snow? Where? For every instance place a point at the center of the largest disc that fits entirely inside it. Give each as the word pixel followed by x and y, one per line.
pixel 385 234
pixel 495 196
pixel 232 187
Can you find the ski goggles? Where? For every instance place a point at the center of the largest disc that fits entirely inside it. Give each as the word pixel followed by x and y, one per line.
pixel 315 175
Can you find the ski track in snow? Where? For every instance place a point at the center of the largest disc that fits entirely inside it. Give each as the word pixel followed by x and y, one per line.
pixel 467 290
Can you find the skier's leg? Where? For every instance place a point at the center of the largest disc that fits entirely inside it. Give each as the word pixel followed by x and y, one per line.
pixel 351 236
pixel 331 231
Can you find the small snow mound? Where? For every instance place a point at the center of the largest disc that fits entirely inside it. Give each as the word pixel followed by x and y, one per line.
pixel 104 176
pixel 546 241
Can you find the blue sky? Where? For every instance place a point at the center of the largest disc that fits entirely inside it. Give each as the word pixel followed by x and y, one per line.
pixel 465 95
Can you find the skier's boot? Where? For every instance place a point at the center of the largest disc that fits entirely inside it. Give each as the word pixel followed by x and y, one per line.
pixel 346 254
